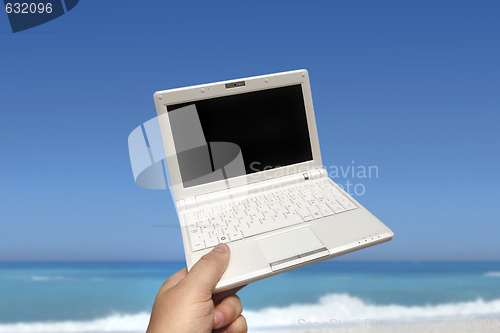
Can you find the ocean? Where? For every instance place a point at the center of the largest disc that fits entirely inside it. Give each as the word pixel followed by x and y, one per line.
pixel 117 297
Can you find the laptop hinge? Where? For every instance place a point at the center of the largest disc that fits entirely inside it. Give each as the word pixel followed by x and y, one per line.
pixel 180 205
pixel 314 174
pixel 318 173
pixel 189 203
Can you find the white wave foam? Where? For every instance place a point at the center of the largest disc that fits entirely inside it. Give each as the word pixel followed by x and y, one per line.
pixel 41 278
pixel 47 278
pixel 340 307
pixel 492 274
pixel 346 308
pixel 114 323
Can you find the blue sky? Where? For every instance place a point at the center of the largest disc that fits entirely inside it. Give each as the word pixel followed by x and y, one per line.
pixel 410 87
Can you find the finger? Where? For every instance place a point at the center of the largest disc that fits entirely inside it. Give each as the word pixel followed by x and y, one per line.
pixel 204 275
pixel 174 279
pixel 227 311
pixel 237 326
pixel 223 294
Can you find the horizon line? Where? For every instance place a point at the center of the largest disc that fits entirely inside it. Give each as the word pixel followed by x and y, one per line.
pixel 330 261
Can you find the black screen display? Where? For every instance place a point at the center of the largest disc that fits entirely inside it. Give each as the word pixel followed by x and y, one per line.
pixel 269 127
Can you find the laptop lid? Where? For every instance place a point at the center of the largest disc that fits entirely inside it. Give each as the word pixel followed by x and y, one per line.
pixel 228 134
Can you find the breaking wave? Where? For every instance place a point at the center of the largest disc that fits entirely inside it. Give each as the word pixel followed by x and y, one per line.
pixel 342 307
pixel 347 308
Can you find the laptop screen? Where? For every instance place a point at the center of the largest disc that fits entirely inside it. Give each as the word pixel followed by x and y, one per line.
pixel 265 129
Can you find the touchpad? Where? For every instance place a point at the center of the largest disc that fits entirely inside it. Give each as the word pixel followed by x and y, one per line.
pixel 289 244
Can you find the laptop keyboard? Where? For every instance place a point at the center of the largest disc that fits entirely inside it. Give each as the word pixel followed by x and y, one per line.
pixel 262 213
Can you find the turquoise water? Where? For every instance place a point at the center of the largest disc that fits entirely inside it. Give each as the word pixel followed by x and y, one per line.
pixel 82 293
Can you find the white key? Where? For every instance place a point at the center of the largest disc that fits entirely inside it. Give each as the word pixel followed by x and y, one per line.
pixel 312 202
pixel 269 213
pixel 240 214
pixel 197 245
pixel 238 207
pixel 305 214
pixel 325 210
pixel 227 214
pixel 225 231
pixel 254 223
pixel 206 232
pixel 204 223
pixel 203 216
pixel 346 202
pixel 275 204
pixel 251 205
pixel 267 220
pixel 252 209
pixel 194 232
pixel 257 216
pixel 235 235
pixel 319 196
pixel 329 196
pixel 211 242
pixel 269 196
pixel 219 224
pixel 301 204
pixel 281 210
pixel 307 217
pixel 268 224
pixel 292 207
pixel 245 230
pixel 215 220
pixel 316 215
pixel 313 208
pixel 264 208
pixel 336 207
pixel 245 219
pixel 191 220
pixel 308 196
pixel 231 221
pixel 298 201
pixel 293 218
pixel 325 186
pixel 334 191
pixel 280 221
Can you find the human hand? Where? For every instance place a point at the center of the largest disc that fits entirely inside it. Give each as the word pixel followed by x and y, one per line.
pixel 185 303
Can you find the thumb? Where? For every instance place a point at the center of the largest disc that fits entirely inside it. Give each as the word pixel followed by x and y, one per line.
pixel 205 274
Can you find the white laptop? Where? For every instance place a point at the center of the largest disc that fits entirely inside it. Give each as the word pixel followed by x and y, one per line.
pixel 244 168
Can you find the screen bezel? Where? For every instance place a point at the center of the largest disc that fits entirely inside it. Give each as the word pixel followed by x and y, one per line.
pixel 194 93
